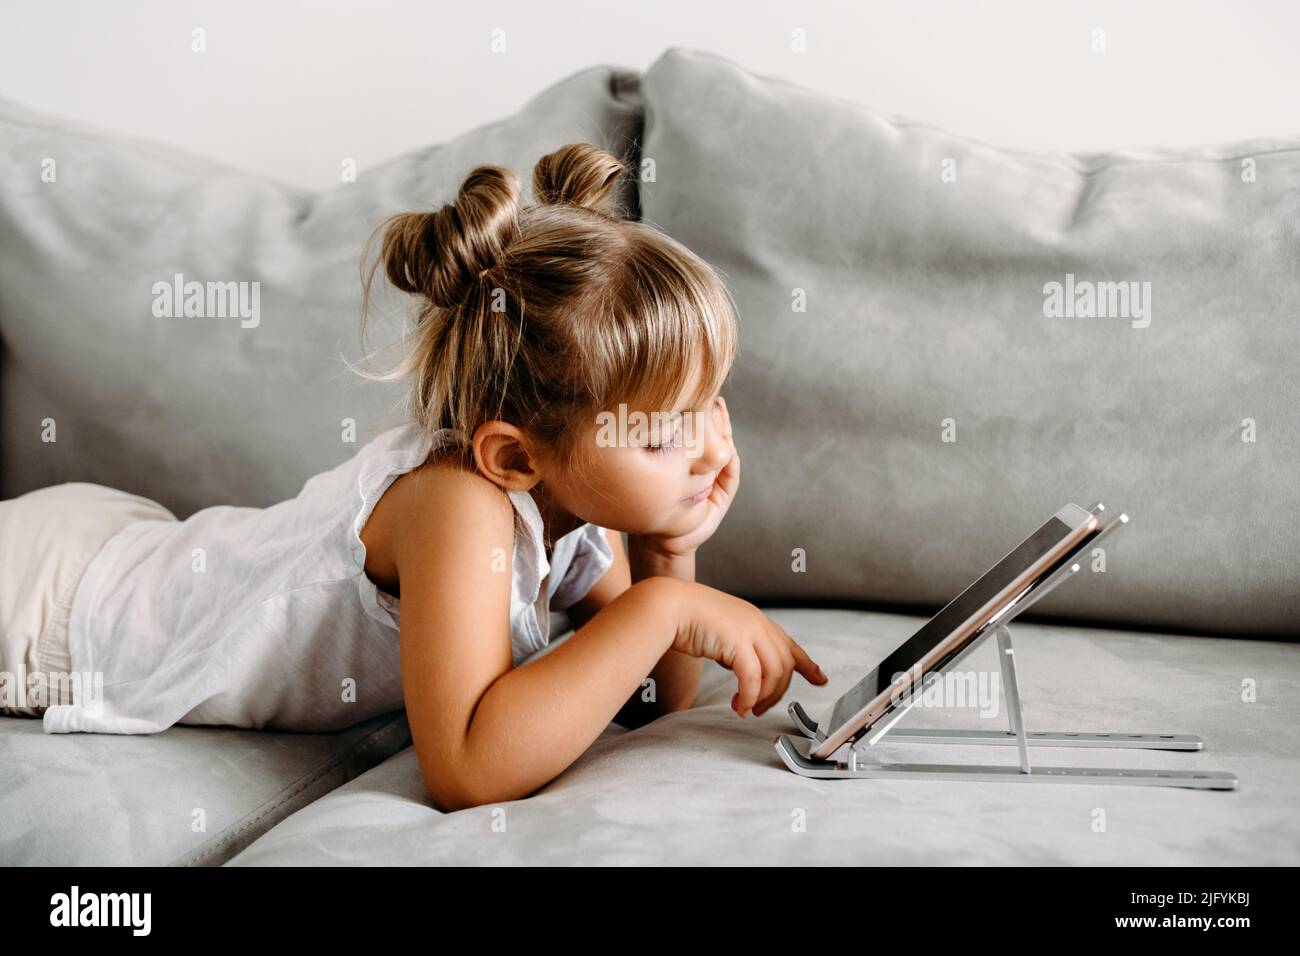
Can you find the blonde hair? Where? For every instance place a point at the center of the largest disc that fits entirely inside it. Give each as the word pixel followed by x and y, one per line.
pixel 545 315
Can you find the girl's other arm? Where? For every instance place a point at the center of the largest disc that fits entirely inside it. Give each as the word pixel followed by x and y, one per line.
pixel 676 676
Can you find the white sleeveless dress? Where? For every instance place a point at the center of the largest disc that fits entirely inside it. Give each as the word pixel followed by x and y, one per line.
pixel 265 618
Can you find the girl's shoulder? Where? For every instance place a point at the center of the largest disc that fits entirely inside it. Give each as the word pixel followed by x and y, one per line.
pixel 419 502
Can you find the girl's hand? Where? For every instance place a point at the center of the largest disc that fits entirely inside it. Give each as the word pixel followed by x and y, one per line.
pixel 725 486
pixel 740 637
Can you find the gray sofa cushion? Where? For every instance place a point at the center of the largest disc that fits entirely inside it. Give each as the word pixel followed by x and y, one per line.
pixel 925 302
pixel 704 786
pixel 200 411
pixel 187 796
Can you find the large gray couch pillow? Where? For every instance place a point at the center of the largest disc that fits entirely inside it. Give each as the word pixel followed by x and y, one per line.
pixel 217 410
pixel 907 408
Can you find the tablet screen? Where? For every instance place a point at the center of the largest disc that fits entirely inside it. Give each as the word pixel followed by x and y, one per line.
pixel 907 655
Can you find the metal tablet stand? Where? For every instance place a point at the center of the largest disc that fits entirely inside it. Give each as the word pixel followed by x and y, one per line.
pixel 857 767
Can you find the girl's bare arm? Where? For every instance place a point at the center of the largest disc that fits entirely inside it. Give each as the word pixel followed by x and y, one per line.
pixel 485 732
pixel 675 679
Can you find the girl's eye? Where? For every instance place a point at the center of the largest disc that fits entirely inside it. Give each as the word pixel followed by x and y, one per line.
pixel 661 449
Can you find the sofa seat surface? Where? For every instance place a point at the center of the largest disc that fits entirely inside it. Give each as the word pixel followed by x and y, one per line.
pixel 704 786
pixel 186 796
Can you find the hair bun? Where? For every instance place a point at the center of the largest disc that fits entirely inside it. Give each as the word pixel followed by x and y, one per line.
pixel 441 254
pixel 579 174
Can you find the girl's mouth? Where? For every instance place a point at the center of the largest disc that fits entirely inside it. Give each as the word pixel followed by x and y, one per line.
pixel 696 499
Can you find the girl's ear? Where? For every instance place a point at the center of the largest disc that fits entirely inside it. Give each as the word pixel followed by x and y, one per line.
pixel 501 454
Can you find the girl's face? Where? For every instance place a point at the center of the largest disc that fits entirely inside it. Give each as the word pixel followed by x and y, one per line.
pixel 647 474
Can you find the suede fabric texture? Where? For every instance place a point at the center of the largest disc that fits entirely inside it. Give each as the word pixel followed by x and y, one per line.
pixel 190 796
pixel 705 787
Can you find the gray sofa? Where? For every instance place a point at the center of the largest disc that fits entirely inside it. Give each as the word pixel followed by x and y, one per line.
pixel 910 401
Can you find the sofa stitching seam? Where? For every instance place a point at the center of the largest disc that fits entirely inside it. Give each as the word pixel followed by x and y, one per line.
pixel 371 740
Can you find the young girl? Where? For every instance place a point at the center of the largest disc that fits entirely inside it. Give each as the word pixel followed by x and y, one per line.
pixel 544 331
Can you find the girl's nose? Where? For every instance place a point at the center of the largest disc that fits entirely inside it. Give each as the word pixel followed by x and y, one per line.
pixel 717 444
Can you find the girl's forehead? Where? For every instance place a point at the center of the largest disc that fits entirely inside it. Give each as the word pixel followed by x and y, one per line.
pixel 672 398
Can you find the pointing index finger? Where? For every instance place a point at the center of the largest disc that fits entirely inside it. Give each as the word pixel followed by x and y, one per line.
pixel 805 665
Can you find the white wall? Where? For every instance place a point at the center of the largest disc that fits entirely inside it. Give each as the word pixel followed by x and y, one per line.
pixel 289 88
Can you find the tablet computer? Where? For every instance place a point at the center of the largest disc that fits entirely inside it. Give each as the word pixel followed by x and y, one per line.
pixel 891 684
